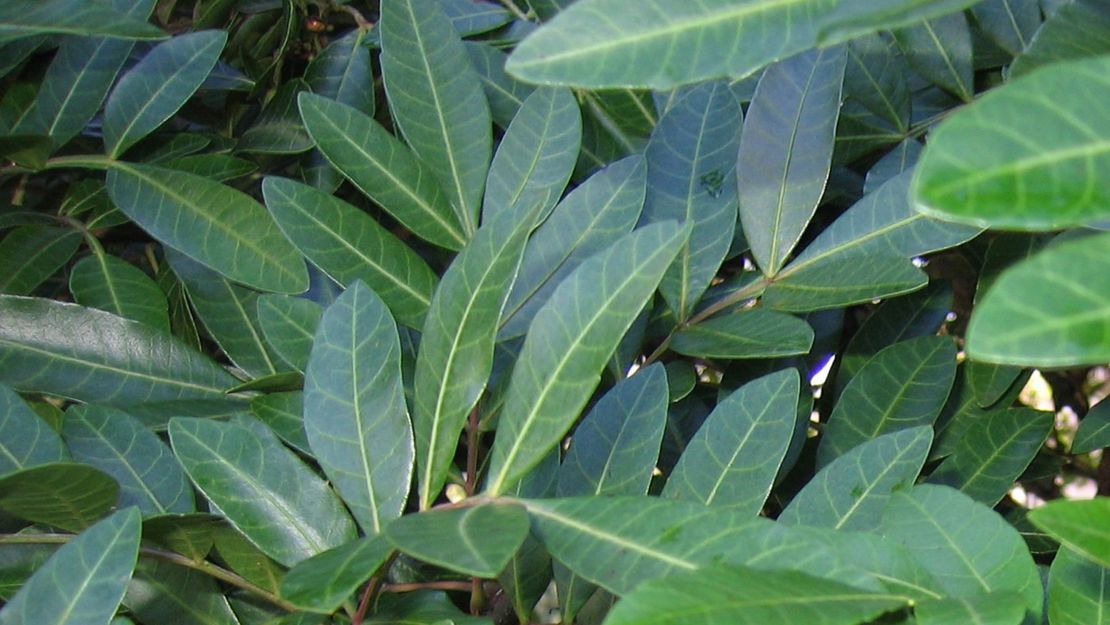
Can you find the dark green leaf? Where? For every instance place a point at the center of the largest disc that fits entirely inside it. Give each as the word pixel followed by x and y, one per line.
pixel 278 128
pixel 477 541
pixel 161 592
pixel 473 17
pixel 940 50
pixel 218 167
pixel 110 283
pixel 426 607
pixel 875 77
pixel 23 18
pixel 26 440
pixel 1009 23
pixel 1094 430
pixel 1078 590
pixel 282 413
pixel 289 325
pixel 62 494
pixel 243 557
pixel 1080 29
pixel 188 534
pixel 31 254
pixel 841 281
pixel 1079 525
pixel 757 333
pixel 990 382
pixel 324 581
pixel 342 72
pixel 505 94
pixel 901 158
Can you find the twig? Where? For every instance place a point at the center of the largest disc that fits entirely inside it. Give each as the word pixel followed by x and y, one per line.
pixel 414 586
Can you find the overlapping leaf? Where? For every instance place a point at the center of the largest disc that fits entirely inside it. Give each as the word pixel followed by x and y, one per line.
pixel 1079 525
pixel 1094 430
pixel 23 18
pixel 1076 30
pixel 478 540
pixel 1078 590
pixel 940 50
pixel 1009 23
pixel 162 592
pixel 289 325
pixel 110 283
pixel 31 254
pixel 996 608
pixel 25 438
pixel 758 333
pixel 62 494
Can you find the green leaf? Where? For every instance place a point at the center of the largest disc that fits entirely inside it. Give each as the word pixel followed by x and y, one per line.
pixel 505 94
pixel 1078 590
pixel 342 72
pixel 278 128
pixel 26 440
pixel 722 595
pixel 691 161
pixel 474 17
pixel 383 168
pixel 84 581
pixel 456 346
pixel 996 608
pixel 437 101
pixel 1094 430
pixel 974 170
pixel 990 382
pixel 570 340
pixel 243 557
pixel 1009 23
pixel 757 333
pixel 23 18
pixel 62 494
pixel 354 409
pixel 968 548
pixel 289 325
pixel 940 50
pixel 261 487
pixel 323 582
pixel 734 458
pixel 31 254
pixel 111 360
pixel 842 281
pixel 282 412
pixel 536 156
pixel 903 386
pixel 875 77
pixel 218 167
pixel 349 245
pixel 112 284
pixel 188 534
pixel 591 217
pixel 157 86
pixel 477 541
pixel 1079 525
pixel 116 443
pixel 421 608
pixel 163 592
pixel 786 151
pixel 1071 327
pixel 851 492
pixel 1079 29
pixel 218 226
pixel 993 452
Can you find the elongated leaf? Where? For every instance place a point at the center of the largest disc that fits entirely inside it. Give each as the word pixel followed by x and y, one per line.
pixel 324 581
pixel 1078 590
pixel 282 413
pixel 219 227
pixel 278 128
pixel 456 346
pixel 852 491
pixel 903 386
pixel 93 356
pixel 993 452
pixel 735 456
pixel 342 72
pixel 1094 430
pixel 119 445
pixel 383 168
pixel 1071 327
pixel 354 408
pixel 23 18
pixel 571 338
pixel 1009 23
pixel 84 581
pixel 786 151
pixel 1077 30
pixel 758 333
pixel 842 281
pixel 723 595
pixel 437 100
pixel 246 559
pixel 536 156
pixel 967 547
pixel 976 172
pixel 940 50
pixel 26 440
pixel 996 608
pixel 62 494
pixel 31 254
pixel 162 592
pixel 1078 525
pixel 691 161
pixel 598 212
pixel 155 88
pixel 875 77
pixel 477 541
pixel 115 285
pixel 505 94
pixel 289 325
pixel 349 245
pixel 261 487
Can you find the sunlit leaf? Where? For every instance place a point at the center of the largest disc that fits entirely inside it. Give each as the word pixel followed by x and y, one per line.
pixel 1078 590
pixel 1079 525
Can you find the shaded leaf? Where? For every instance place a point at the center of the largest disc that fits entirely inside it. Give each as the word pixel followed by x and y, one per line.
pixel 112 284
pixel 162 592
pixel 71 17
pixel 1079 525
pixel 342 72
pixel 324 581
pixel 990 382
pixel 1009 23
pixel 31 254
pixel 875 77
pixel 940 50
pixel 26 440
pixel 757 333
pixel 478 540
pixel 1077 30
pixel 842 281
pixel 62 494
pixel 289 325
pixel 191 535
pixel 278 128
pixel 282 413
pixel 1094 430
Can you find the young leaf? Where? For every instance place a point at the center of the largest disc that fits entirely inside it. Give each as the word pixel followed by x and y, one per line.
pixel 477 541
pixel 31 254
pixel 23 18
pixel 734 458
pixel 323 582
pixel 218 226
pixel 1078 590
pixel 354 409
pixel 786 151
pixel 84 581
pixel 456 346
pixel 62 494
pixel 757 333
pixel 436 98
pixel 157 86
pixel 25 438
pixel 289 325
pixel 1079 525
pixel 112 284
pixel 571 337
pixel 261 487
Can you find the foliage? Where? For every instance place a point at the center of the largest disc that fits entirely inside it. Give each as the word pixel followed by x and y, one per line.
pixel 602 311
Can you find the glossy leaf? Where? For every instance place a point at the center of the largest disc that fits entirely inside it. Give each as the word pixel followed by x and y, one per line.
pixel 691 160
pixel 1069 328
pixel 84 581
pixel 456 346
pixel 571 338
pixel 26 440
pixel 851 492
pixel 1078 590
pixel 1078 30
pixel 383 168
pixel 93 356
pixel 349 245
pixel 940 50
pixel 436 98
pixel 354 408
pixel 535 157
pixel 162 592
pixel 786 151
pixel 1094 430
pixel 993 452
pixel 282 413
pixel 289 325
pixel 734 458
pixel 31 254
pixel 477 541
pixel 112 284
pixel 71 17
pixel 324 581
pixel 157 86
pixel 261 487
pixel 903 386
pixel 218 226
pixel 996 608
pixel 118 444
pixel 975 171
pixel 1078 525
pixel 62 494
pixel 757 333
